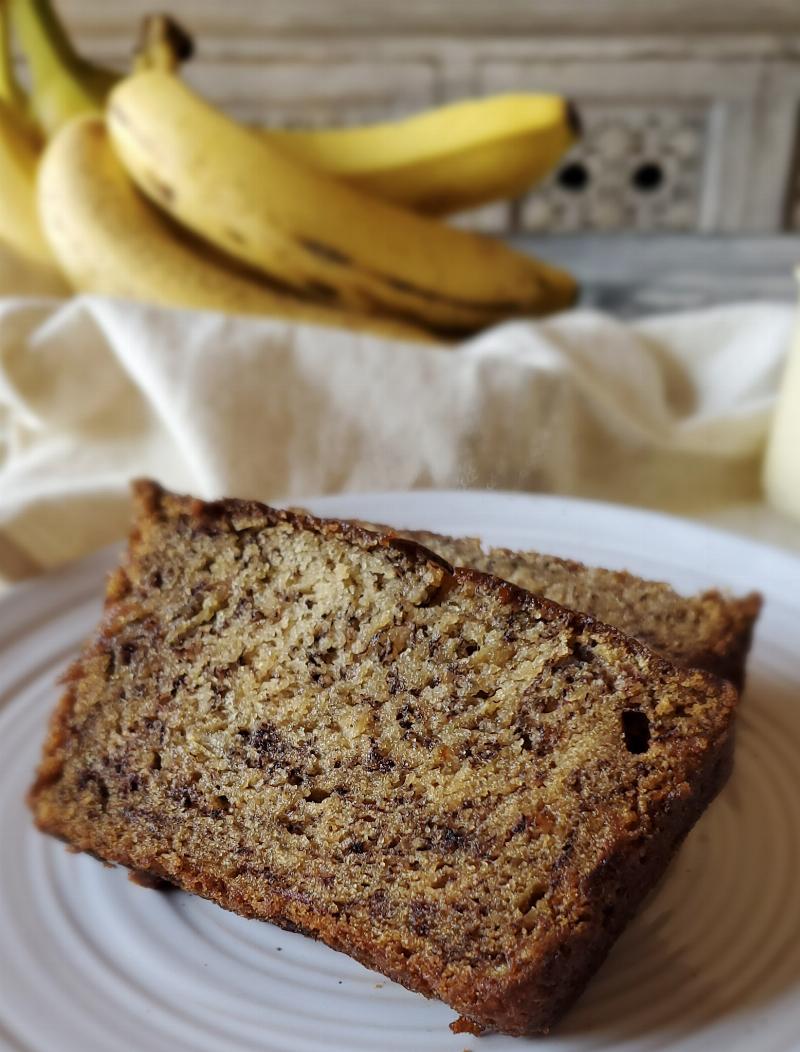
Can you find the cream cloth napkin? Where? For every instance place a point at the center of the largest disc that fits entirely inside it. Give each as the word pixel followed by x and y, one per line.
pixel 669 412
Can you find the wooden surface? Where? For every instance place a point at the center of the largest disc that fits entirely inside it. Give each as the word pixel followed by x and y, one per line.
pixel 633 274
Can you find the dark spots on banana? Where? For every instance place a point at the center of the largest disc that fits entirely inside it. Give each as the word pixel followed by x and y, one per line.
pixel 322 290
pixel 326 252
pixel 484 309
pixel 402 286
pixel 501 307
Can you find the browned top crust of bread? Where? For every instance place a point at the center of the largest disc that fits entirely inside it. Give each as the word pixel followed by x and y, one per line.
pixel 708 630
pixel 460 784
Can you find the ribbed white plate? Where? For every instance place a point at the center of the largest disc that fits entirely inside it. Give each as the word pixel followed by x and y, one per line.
pixel 92 963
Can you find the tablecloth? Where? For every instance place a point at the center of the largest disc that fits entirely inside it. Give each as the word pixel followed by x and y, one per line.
pixel 668 412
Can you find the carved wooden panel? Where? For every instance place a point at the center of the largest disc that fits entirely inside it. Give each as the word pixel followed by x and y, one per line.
pixel 638 168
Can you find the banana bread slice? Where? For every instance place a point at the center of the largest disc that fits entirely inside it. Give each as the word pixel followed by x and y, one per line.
pixel 708 630
pixel 462 785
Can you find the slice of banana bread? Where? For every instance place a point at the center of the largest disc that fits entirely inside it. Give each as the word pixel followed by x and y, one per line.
pixel 460 784
pixel 708 630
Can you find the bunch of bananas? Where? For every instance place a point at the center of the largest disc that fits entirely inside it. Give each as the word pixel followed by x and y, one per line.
pixel 134 186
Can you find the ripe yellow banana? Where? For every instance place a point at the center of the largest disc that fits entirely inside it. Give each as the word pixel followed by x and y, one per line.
pixel 109 239
pixel 19 225
pixel 64 83
pixel 10 91
pixel 229 185
pixel 447 159
pixel 19 153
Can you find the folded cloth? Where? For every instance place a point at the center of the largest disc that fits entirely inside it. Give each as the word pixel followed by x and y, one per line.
pixel 668 412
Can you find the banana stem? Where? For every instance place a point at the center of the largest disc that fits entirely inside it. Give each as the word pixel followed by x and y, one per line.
pixel 64 84
pixel 163 44
pixel 10 91
pixel 43 37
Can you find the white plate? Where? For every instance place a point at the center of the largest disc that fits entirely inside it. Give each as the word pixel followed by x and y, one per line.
pixel 91 963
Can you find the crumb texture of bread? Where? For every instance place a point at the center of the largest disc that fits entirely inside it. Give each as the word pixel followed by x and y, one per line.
pixel 462 785
pixel 709 630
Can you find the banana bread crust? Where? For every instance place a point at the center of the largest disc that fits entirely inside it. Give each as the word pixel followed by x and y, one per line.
pixel 596 876
pixel 708 630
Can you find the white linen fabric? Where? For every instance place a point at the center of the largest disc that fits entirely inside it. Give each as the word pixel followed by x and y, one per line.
pixel 669 412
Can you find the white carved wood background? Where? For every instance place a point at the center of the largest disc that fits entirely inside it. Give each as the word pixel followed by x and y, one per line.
pixel 690 110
